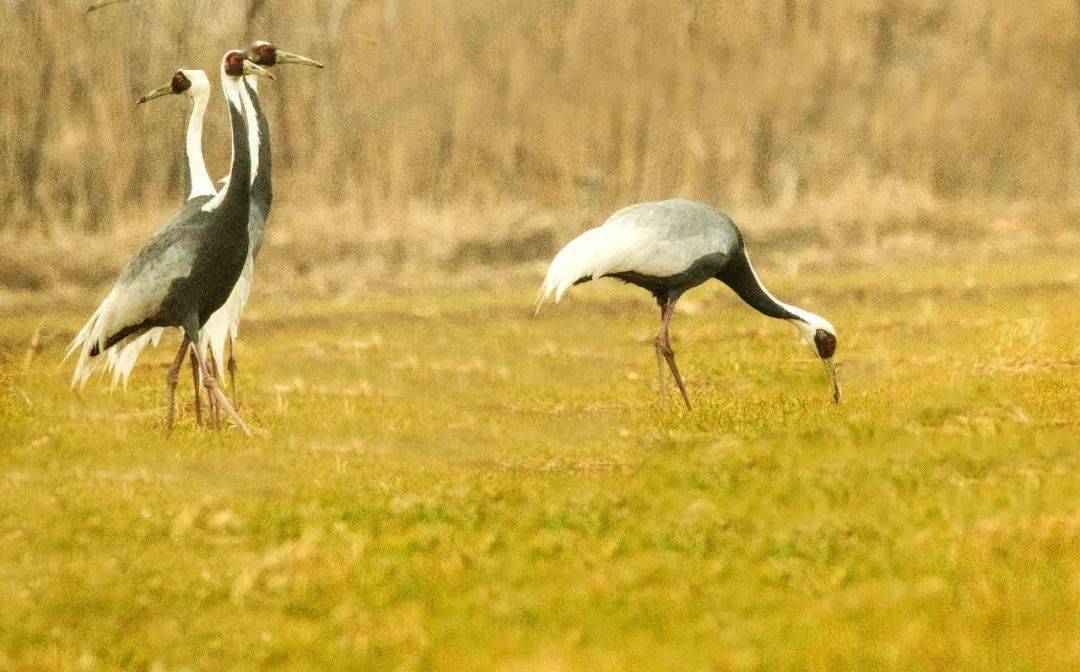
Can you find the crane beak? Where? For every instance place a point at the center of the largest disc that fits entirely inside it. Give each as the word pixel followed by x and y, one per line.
pixel 830 368
pixel 156 93
pixel 257 70
pixel 286 57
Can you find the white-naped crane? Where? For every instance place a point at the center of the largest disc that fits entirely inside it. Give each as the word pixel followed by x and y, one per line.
pixel 190 266
pixel 224 325
pixel 195 85
pixel 669 247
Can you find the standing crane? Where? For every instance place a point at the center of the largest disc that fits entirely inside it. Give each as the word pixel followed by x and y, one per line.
pixel 188 269
pixel 200 188
pixel 225 324
pixel 669 247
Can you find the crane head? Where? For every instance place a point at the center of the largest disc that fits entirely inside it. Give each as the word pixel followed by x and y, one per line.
pixel 825 342
pixel 191 82
pixel 819 333
pixel 267 55
pixel 235 64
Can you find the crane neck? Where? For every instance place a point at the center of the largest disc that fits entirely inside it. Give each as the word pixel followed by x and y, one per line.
pixel 259 139
pixel 198 180
pixel 233 197
pixel 739 274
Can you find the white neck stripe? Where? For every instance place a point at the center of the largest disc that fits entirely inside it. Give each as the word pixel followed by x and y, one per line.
pixel 201 184
pixel 806 322
pixel 253 127
pixel 232 95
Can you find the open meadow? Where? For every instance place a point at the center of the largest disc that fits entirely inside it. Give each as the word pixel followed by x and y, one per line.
pixel 441 480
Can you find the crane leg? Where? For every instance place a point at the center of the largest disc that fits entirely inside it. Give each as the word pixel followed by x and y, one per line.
pixel 214 390
pixel 663 346
pixel 231 366
pixel 211 401
pixel 171 379
pixel 198 389
pixel 660 367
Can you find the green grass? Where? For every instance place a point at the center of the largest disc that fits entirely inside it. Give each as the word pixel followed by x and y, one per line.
pixel 442 481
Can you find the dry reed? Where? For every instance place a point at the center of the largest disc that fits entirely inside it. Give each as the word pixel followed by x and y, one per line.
pixel 477 108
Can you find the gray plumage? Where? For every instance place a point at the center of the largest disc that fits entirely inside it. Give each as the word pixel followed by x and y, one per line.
pixel 185 272
pixel 669 247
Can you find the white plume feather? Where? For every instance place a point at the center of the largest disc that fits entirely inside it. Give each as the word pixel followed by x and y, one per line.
pixel 225 321
pixel 120 308
pixel 121 360
pixel 625 242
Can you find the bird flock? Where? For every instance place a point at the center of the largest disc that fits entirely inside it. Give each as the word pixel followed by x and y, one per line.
pixel 196 271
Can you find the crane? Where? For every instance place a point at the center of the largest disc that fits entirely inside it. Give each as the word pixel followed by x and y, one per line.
pixel 225 324
pixel 195 85
pixel 668 247
pixel 188 269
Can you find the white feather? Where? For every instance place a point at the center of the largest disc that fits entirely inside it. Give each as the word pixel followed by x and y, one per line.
pixel 637 238
pixel 124 306
pixel 201 184
pixel 121 359
pixel 83 340
pixel 225 321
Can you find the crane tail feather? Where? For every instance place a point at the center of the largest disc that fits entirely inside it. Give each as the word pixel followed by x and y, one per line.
pixel 121 360
pixel 591 255
pixel 90 341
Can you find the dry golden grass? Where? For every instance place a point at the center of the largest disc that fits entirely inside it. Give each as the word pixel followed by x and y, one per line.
pixel 476 105
pixel 443 481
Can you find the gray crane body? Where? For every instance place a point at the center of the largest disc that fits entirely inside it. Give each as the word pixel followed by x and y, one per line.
pixel 669 247
pixel 677 245
pixel 186 271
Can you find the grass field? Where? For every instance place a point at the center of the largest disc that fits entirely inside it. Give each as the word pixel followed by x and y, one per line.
pixel 442 481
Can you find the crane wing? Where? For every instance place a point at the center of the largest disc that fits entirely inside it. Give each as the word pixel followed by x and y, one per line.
pixel 138 296
pixel 655 239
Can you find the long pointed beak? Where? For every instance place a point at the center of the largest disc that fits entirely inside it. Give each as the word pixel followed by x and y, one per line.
pixel 156 93
pixel 285 57
pixel 830 368
pixel 257 70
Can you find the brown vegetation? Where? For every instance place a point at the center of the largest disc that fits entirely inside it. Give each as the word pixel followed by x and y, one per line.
pixel 476 119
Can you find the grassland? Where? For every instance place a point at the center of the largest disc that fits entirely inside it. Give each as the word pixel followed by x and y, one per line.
pixel 443 481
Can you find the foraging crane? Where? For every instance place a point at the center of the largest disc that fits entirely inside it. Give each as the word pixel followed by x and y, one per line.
pixel 225 324
pixel 188 269
pixel 668 247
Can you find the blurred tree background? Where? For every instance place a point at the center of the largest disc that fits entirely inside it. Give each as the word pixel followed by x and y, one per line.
pixel 806 112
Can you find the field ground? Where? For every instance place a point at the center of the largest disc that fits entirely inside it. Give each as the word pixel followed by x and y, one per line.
pixel 443 481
